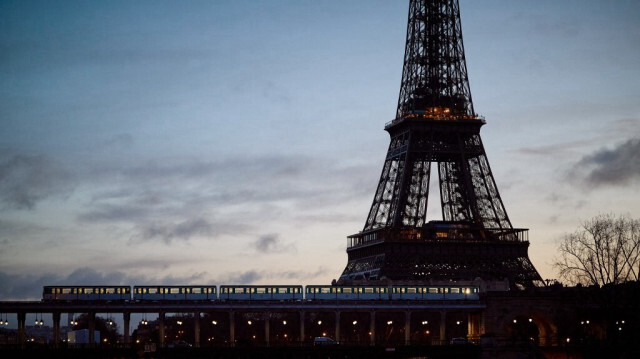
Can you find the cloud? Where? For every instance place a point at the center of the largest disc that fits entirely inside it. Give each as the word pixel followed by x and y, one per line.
pixel 29 286
pixel 253 276
pixel 26 180
pixel 167 232
pixel 618 166
pixel 270 243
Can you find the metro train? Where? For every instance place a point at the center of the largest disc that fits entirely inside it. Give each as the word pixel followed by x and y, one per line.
pixel 257 293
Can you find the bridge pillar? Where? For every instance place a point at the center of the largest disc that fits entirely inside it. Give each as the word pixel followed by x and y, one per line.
pixel 126 318
pixel 92 328
pixel 372 328
pixel 302 327
pixel 56 329
pixel 337 332
pixel 22 318
pixel 232 329
pixel 443 326
pixel 266 329
pixel 196 329
pixel 161 329
pixel 474 327
pixel 407 328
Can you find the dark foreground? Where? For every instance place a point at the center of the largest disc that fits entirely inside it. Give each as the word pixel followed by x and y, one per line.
pixel 431 352
pixel 339 352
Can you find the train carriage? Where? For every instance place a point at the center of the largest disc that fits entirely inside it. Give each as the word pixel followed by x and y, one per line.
pixel 87 293
pixel 261 292
pixel 328 292
pixel 428 292
pixel 174 292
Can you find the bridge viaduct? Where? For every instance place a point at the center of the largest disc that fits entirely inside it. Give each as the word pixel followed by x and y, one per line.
pixel 548 316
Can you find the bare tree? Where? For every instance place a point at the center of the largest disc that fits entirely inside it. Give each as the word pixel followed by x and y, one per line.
pixel 605 249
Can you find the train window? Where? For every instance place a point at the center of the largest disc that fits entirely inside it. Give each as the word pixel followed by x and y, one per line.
pixel 111 290
pixel 368 290
pixel 412 290
pixel 88 291
pixel 283 290
pixel 196 290
pixel 239 290
pixel 152 290
pixel 174 290
pixel 433 290
pixel 346 290
pixel 333 289
pixel 327 290
pixel 261 290
pixel 455 290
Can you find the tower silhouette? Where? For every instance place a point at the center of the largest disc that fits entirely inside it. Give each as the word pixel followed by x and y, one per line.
pixel 435 123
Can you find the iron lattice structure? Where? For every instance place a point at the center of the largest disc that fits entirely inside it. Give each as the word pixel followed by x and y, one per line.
pixel 436 124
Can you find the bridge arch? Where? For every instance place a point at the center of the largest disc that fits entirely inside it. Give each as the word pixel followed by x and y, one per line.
pixel 530 326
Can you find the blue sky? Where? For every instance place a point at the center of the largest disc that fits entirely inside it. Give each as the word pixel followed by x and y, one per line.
pixel 241 142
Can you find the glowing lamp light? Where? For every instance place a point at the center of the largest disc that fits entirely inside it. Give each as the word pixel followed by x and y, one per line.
pixel 319 322
pixel 355 322
pixel 214 322
pixel 249 322
pixel 284 322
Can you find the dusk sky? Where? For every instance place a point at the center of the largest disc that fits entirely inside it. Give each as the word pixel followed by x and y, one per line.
pixel 224 142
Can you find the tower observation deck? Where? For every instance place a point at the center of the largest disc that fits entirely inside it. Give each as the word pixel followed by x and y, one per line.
pixel 436 127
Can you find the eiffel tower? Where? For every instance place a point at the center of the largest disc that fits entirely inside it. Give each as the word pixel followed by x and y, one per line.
pixel 436 124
